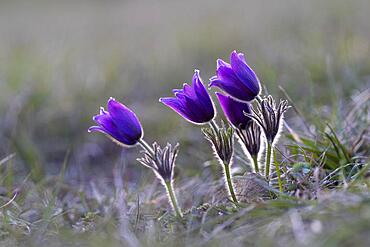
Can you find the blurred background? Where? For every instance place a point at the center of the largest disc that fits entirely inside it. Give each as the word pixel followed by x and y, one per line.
pixel 61 60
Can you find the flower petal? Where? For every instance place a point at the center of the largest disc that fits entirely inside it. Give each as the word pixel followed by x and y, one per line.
pixel 234 110
pixel 125 119
pixel 227 80
pixel 108 127
pixel 221 62
pixel 96 129
pixel 192 102
pixel 204 99
pixel 244 72
pixel 176 105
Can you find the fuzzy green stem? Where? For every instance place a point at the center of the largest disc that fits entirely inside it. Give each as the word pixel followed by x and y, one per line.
pixel 268 161
pixel 172 197
pixel 226 167
pixel 277 168
pixel 255 162
pixel 230 183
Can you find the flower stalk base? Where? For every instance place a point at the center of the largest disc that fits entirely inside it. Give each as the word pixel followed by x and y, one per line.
pixel 172 198
pixel 255 163
pixel 268 161
pixel 230 183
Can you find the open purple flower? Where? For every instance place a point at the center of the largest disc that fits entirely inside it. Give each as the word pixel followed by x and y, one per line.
pixel 119 123
pixel 234 110
pixel 236 78
pixel 192 102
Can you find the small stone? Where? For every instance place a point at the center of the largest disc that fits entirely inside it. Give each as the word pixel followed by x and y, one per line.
pixel 249 188
pixel 252 187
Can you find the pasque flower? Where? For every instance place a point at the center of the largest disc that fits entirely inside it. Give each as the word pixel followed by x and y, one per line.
pixel 119 123
pixel 222 141
pixel 236 78
pixel 162 162
pixel 122 125
pixel 234 110
pixel 269 117
pixel 192 102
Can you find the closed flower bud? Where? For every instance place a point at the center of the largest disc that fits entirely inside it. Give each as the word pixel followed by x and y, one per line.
pixel 119 123
pixel 192 102
pixel 237 78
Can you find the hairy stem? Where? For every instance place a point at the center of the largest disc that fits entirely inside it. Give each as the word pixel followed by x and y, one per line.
pixel 255 162
pixel 172 198
pixel 230 183
pixel 268 161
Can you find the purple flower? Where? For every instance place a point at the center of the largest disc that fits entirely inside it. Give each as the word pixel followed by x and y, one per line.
pixel 236 78
pixel 119 123
pixel 192 102
pixel 234 110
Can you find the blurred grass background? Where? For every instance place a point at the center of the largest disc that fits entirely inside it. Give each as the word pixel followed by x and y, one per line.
pixel 61 60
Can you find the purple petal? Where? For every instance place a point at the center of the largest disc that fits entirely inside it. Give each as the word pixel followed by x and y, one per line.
pixel 189 91
pixel 193 102
pixel 96 129
pixel 105 121
pixel 119 123
pixel 102 111
pixel 177 91
pixel 234 110
pixel 244 72
pixel 176 105
pixel 227 80
pixel 125 119
pixel 201 92
pixel 186 107
pixel 242 57
pixel 197 110
pixel 221 62
pixel 204 100
pixel 108 127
